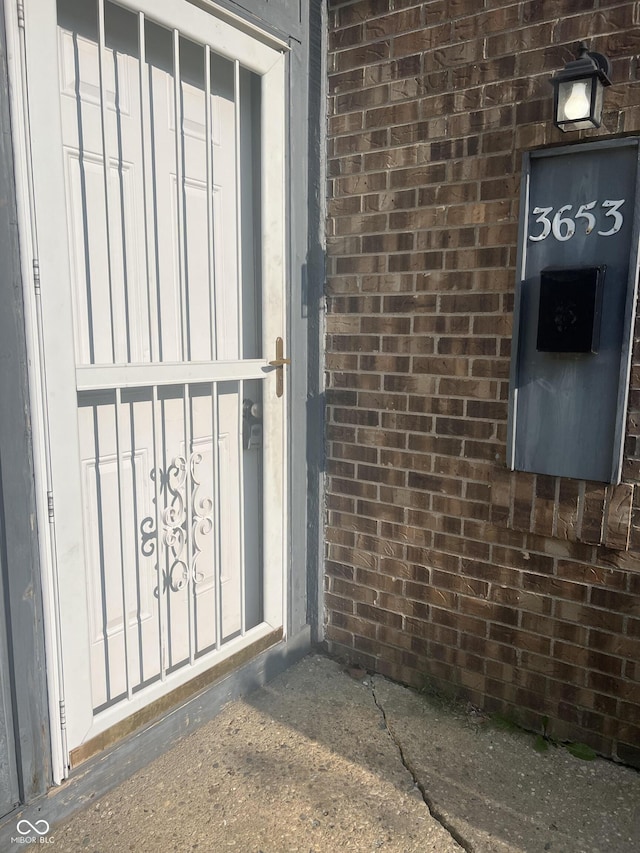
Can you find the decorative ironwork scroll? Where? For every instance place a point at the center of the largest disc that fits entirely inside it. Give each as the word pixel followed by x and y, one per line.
pixel 181 486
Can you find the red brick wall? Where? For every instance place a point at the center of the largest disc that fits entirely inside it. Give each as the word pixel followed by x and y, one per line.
pixel 517 591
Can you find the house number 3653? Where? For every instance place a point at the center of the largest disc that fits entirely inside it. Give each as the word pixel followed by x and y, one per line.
pixel 562 224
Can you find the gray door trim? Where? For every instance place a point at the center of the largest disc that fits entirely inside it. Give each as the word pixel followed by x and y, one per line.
pixel 9 791
pixel 17 491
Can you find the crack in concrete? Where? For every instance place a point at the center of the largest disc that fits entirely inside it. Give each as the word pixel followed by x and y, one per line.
pixel 433 809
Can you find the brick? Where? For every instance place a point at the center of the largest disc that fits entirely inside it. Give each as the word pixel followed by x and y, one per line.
pixel 345 37
pixel 518 40
pixel 381 438
pixel 483 24
pixel 379 581
pixel 397 114
pixel 353 79
pixel 343 124
pixel 373 509
pixel 360 184
pixel 353 143
pixel 422 39
pixel 567 509
pixel 427 174
pixel 616 601
pixel 591 574
pixel 454 55
pixel 519 589
pixel 352 488
pixel 381 546
pixel 520 639
pixel 617 523
pixel 407 66
pixel 416 261
pixel 391 200
pixel 361 55
pixel 409 19
pixel 364 99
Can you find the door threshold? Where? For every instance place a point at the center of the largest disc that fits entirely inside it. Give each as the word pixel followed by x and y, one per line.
pixel 171 700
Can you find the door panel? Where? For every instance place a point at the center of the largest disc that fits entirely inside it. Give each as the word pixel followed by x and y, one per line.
pixel 117 312
pixel 171 153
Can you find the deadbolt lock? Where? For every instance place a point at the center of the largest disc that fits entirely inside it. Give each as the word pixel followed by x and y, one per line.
pixel 251 425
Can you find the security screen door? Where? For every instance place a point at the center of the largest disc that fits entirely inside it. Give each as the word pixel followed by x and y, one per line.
pixel 158 152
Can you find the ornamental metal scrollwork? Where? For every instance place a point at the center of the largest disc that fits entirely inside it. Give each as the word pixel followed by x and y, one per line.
pixel 174 517
pixel 181 486
pixel 202 517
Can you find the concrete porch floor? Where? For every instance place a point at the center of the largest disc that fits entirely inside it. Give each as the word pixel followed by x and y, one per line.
pixel 324 760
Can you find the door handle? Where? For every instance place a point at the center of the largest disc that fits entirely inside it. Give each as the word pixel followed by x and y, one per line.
pixel 279 363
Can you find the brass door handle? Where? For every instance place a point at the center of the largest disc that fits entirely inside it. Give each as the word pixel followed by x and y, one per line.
pixel 279 363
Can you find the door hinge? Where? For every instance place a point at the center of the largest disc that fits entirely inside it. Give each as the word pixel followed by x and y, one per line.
pixel 63 715
pixel 50 506
pixel 20 5
pixel 36 275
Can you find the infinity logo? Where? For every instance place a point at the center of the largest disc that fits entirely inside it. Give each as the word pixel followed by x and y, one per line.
pixel 24 827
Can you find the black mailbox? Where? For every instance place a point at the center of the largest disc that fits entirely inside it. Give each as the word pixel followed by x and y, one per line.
pixel 569 310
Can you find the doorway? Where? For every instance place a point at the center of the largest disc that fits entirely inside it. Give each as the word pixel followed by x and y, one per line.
pixel 157 138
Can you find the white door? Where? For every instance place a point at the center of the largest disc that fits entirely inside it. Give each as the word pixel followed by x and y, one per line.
pixel 157 134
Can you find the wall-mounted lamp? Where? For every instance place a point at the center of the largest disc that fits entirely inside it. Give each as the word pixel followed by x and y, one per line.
pixel 577 91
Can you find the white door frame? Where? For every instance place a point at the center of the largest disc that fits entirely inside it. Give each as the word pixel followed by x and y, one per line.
pixel 45 253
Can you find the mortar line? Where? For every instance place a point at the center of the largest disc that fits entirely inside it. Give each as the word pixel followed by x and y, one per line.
pixel 433 809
